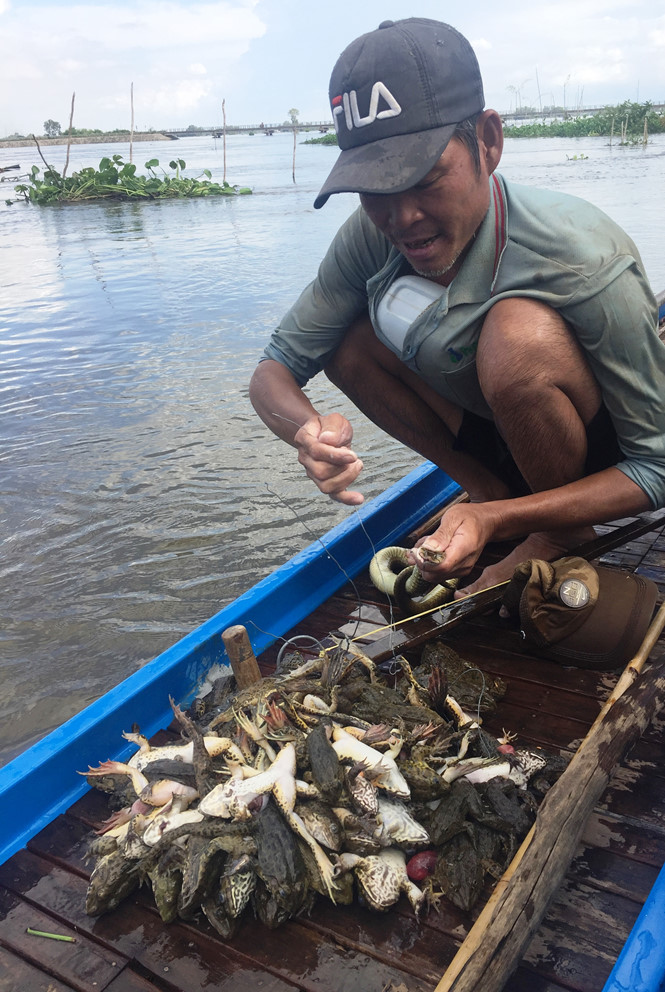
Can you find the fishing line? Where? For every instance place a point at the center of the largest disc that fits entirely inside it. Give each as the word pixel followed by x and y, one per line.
pixel 327 551
pixel 291 641
pixel 393 670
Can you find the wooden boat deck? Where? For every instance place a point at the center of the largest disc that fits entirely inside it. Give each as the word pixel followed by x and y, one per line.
pixel 352 949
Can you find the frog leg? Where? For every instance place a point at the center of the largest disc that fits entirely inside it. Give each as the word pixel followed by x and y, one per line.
pixel 307 790
pixel 253 731
pixel 461 717
pixel 323 863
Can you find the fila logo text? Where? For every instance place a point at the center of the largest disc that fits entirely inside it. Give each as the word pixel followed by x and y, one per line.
pixel 347 104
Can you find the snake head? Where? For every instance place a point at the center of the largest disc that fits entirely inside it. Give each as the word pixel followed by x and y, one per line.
pixel 430 556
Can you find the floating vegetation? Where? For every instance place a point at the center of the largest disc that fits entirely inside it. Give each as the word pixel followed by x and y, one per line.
pixel 118 180
pixel 327 139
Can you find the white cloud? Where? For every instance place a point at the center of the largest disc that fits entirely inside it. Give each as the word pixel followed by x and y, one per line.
pixel 165 101
pixel 264 56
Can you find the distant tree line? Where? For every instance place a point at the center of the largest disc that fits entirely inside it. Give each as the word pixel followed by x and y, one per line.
pixel 625 119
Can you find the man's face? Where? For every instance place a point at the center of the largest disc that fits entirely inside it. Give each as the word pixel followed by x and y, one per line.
pixel 434 222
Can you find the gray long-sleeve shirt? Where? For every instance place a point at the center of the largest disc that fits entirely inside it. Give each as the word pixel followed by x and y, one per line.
pixel 533 243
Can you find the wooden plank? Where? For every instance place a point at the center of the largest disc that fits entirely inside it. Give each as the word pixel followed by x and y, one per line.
pixel 581 937
pixel 82 965
pixel 18 975
pixel 192 959
pixel 130 981
pixel 619 875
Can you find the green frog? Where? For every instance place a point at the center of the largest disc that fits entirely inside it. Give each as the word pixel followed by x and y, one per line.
pixel 475 691
pixel 381 704
pixel 280 868
pixel 327 771
pixel 113 879
pixel 165 877
pixel 224 906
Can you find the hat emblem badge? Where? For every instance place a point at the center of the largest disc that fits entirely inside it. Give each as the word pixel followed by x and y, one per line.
pixel 574 593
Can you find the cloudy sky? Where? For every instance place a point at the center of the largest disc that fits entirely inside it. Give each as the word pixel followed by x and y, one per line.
pixel 265 56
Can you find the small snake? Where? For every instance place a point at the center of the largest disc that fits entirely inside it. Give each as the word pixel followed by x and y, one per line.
pixel 391 573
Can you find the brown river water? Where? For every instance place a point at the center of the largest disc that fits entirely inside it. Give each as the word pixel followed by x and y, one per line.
pixel 139 492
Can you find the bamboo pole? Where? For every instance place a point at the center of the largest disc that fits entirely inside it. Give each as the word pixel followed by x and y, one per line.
pixel 69 136
pixel 131 131
pixel 499 937
pixel 224 137
pixel 293 169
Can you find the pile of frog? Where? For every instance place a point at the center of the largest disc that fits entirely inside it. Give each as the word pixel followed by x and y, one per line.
pixel 319 781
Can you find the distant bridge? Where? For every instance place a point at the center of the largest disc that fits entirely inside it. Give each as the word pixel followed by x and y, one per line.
pixel 521 114
pixel 217 130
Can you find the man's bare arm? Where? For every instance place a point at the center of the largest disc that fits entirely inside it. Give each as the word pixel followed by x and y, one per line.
pixel 466 528
pixel 322 441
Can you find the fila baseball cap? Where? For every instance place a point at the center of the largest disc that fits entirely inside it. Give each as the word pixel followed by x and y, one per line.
pixel 396 96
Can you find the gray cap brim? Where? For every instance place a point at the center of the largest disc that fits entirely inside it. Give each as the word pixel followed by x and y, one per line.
pixel 388 165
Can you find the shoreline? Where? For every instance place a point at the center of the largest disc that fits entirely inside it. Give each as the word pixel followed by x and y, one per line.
pixel 88 139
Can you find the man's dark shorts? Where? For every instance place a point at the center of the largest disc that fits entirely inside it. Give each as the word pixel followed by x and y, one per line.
pixel 479 438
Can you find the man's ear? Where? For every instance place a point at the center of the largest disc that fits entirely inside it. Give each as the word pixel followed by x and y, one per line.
pixel 490 138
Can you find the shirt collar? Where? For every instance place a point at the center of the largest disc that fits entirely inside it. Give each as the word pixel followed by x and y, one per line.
pixel 474 283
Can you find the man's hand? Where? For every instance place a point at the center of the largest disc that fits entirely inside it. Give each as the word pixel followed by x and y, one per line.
pixel 462 534
pixel 323 451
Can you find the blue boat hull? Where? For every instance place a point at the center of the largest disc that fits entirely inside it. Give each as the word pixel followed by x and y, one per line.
pixel 42 782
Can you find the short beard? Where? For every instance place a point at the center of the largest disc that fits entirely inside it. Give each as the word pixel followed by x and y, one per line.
pixel 437 273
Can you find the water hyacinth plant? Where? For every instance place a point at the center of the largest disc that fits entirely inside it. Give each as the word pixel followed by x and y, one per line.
pixel 118 180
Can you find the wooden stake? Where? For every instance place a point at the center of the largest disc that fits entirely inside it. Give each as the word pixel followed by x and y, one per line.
pixel 69 136
pixel 131 132
pixel 241 656
pixel 224 137
pixel 500 935
pixel 293 170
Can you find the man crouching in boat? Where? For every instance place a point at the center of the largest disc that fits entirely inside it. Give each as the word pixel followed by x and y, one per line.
pixel 508 334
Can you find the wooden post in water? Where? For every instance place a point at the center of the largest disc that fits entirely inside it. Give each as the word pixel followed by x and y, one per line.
pixel 69 135
pixel 224 137
pixel 131 132
pixel 293 170
pixel 241 656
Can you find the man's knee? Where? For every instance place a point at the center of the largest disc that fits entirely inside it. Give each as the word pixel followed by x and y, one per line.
pixel 359 352
pixel 527 347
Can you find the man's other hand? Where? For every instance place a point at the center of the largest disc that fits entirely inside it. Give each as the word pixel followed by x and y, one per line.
pixel 324 452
